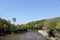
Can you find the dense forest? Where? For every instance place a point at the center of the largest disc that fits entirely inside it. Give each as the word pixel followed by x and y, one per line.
pixel 51 26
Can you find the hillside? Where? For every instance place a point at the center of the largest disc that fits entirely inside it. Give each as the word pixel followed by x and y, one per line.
pixel 51 26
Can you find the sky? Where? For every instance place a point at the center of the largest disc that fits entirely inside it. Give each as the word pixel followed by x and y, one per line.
pixel 29 10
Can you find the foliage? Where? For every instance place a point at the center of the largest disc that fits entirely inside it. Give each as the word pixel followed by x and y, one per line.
pixel 52 26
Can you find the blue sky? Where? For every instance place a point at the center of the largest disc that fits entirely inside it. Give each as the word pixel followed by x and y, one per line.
pixel 29 10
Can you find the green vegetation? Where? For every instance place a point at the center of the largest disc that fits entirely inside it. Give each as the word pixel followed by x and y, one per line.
pixel 7 28
pixel 51 26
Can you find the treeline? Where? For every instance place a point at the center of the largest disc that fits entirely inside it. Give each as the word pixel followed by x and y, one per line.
pixel 7 28
pixel 51 26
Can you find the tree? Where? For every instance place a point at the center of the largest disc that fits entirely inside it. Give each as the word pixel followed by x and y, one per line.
pixel 58 25
pixel 14 19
